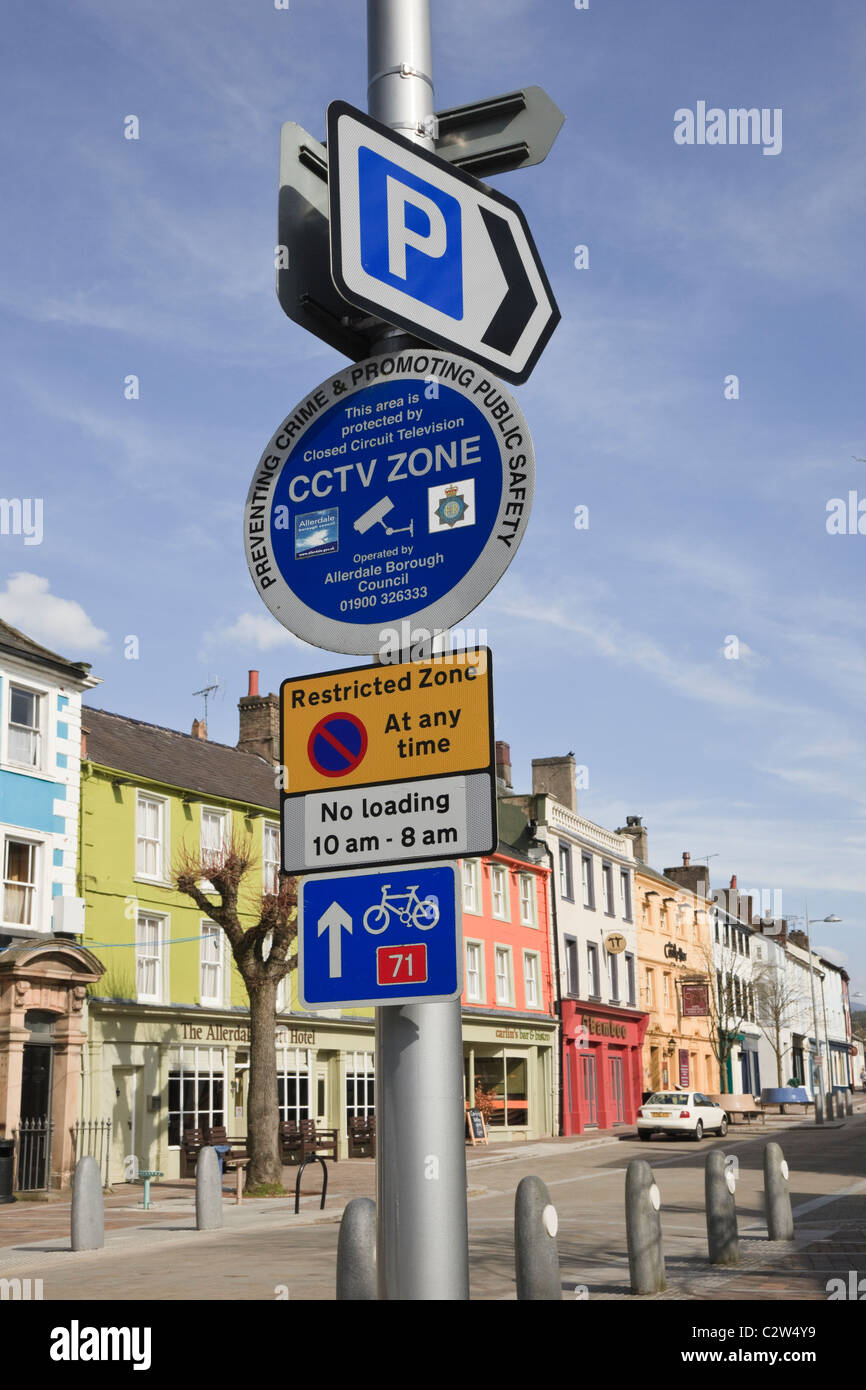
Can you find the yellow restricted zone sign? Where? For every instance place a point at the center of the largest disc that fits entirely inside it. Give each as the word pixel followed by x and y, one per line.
pixel 375 724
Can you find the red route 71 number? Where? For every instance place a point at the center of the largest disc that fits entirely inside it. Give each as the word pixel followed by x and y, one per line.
pixel 401 965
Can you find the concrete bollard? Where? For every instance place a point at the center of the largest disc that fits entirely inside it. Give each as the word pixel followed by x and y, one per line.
pixel 829 1108
pixel 356 1252
pixel 849 1102
pixel 208 1191
pixel 536 1258
pixel 88 1209
pixel 819 1107
pixel 646 1261
pixel 719 1187
pixel 777 1197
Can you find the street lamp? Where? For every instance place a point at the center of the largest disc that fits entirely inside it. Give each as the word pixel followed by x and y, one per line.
pixel 819 1065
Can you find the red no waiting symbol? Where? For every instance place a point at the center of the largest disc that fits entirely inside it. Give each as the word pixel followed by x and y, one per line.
pixel 337 744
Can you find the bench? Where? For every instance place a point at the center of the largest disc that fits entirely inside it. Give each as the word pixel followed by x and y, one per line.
pixel 740 1105
pixel 191 1144
pixel 362 1136
pixel 299 1140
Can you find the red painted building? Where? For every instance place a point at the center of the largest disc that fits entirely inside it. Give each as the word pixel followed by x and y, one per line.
pixel 510 1028
pixel 602 1071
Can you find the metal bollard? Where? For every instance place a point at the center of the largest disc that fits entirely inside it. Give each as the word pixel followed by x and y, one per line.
pixel 88 1210
pixel 208 1191
pixel 356 1252
pixel 536 1258
pixel 646 1261
pixel 719 1187
pixel 777 1198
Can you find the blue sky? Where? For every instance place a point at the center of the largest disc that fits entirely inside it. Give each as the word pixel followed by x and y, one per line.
pixel 154 257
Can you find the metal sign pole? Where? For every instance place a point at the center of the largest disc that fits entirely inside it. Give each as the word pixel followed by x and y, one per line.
pixel 422 1226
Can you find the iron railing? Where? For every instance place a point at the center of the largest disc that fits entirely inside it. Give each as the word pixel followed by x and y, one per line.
pixel 33 1154
pixel 93 1137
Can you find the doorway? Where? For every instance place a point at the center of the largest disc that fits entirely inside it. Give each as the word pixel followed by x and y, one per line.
pixel 123 1129
pixel 590 1089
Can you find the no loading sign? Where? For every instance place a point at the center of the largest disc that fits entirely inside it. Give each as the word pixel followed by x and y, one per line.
pixel 398 489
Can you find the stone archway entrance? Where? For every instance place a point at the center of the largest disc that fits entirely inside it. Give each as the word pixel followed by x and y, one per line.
pixel 43 988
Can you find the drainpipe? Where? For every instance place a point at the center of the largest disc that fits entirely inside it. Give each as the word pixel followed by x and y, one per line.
pixel 557 1003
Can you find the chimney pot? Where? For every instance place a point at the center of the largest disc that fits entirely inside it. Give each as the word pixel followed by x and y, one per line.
pixel 687 858
pixel 199 729
pixel 254 683
pixel 733 882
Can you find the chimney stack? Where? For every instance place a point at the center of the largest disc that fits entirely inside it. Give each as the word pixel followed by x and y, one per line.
pixel 691 876
pixel 555 777
pixel 687 859
pixel 199 729
pixel 503 764
pixel 637 833
pixel 259 723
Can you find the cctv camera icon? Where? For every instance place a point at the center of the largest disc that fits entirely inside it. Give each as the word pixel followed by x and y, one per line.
pixel 376 514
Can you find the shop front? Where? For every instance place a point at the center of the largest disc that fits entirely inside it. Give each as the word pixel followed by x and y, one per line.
pixel 156 1074
pixel 513 1065
pixel 601 1066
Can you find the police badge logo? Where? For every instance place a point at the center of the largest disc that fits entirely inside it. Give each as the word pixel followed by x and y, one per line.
pixel 452 508
pixel 452 505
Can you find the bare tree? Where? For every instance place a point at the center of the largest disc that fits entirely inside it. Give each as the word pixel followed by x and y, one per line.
pixel 730 1004
pixel 261 953
pixel 778 1003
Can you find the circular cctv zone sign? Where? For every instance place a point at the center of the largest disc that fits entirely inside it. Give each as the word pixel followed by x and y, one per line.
pixel 399 489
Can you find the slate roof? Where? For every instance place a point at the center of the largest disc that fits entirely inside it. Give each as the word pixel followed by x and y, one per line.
pixel 178 760
pixel 19 644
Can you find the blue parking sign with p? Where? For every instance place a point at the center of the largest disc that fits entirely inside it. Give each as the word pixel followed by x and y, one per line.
pixel 411 235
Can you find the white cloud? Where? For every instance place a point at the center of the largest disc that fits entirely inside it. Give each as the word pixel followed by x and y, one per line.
pixel 61 623
pixel 258 630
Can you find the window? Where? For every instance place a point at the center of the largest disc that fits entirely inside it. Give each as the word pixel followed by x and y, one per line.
pixel 650 988
pixel 629 970
pixel 24 735
pixel 592 966
pixel 214 834
pixel 531 980
pixel 566 886
pixel 19 883
pixel 211 964
pixel 474 970
pixel 293 1083
pixel 625 888
pixel 196 1090
pixel 504 976
pixel 148 957
pixel 727 933
pixel 471 886
pixel 716 933
pixel 360 1085
pixel 666 989
pixel 588 881
pixel 613 970
pixel 150 837
pixel 528 901
pixel 506 1078
pixel 571 971
pixel 607 888
pixel 499 905
pixel 271 857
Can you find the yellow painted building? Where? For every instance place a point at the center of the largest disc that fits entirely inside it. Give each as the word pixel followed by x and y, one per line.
pixel 674 948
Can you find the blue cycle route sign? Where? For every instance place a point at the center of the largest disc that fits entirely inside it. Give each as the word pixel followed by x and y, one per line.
pixel 386 936
pixel 399 490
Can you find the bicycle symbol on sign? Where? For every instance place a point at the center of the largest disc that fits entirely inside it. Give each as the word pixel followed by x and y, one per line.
pixel 422 913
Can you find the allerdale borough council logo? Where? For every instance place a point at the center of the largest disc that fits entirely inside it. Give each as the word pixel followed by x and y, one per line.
pixel 452 508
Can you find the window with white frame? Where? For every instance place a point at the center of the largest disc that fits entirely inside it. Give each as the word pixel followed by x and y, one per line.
pixel 24 745
pixel 293 1082
pixel 214 835
pixel 666 988
pixel 607 888
pixel 592 966
pixel 650 987
pixel 196 1090
pixel 528 901
pixel 150 836
pixel 566 883
pixel 284 987
pixel 149 942
pixel 20 867
pixel 625 887
pixel 613 970
pixel 504 975
pixel 211 963
pixel 360 1085
pixel 271 857
pixel 474 970
pixel 532 979
pixel 499 905
pixel 471 886
pixel 572 974
pixel 588 881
